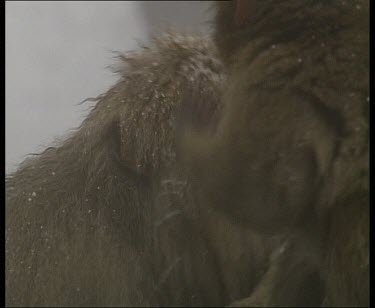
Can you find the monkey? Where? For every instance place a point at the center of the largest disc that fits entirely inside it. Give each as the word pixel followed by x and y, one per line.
pixel 105 218
pixel 290 153
pixel 79 216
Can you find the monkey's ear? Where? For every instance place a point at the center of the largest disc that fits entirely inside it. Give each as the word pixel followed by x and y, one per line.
pixel 242 12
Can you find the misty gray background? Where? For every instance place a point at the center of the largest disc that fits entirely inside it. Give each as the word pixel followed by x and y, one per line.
pixel 57 54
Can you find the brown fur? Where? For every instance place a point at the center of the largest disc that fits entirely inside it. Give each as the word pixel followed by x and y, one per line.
pixel 103 218
pixel 290 154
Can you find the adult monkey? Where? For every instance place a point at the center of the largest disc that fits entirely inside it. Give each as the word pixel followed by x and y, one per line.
pixel 290 154
pixel 102 218
pixel 79 216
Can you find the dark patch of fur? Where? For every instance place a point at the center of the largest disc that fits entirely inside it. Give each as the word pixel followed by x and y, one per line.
pixel 292 146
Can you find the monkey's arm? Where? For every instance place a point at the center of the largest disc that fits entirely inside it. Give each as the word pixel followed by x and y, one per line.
pixel 264 164
pixel 292 280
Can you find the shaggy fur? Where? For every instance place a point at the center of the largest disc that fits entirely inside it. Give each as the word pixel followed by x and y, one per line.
pixel 104 219
pixel 290 154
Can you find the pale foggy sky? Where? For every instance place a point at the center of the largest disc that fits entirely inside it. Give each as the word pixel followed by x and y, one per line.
pixel 57 54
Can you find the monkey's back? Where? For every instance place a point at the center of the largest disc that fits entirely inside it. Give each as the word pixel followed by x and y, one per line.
pixel 80 217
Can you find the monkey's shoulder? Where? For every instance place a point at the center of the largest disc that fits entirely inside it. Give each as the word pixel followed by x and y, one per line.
pixel 172 56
